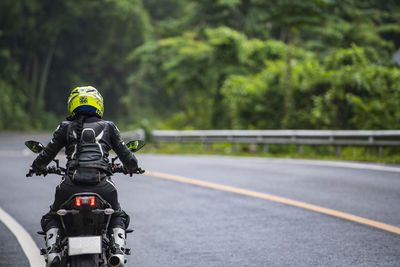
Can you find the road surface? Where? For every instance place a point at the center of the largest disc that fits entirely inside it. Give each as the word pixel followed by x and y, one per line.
pixel 183 224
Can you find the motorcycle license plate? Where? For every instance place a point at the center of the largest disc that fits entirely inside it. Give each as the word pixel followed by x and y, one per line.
pixel 84 245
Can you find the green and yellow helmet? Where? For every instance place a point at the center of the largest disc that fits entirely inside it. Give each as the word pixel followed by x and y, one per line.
pixel 85 98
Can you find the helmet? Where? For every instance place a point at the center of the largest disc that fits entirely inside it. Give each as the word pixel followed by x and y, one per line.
pixel 86 99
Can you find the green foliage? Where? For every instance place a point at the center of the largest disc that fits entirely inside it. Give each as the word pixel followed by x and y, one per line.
pixel 367 154
pixel 217 77
pixel 193 71
pixel 349 92
pixel 361 95
pixel 12 102
pixel 243 64
pixel 54 46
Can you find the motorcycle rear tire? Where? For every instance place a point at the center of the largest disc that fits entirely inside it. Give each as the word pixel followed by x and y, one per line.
pixel 88 260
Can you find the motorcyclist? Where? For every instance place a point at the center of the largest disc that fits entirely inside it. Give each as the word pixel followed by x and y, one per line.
pixel 87 140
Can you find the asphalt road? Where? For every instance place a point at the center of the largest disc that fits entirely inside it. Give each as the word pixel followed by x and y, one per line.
pixel 178 224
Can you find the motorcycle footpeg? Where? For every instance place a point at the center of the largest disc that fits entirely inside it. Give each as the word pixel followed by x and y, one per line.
pixel 43 251
pixel 127 251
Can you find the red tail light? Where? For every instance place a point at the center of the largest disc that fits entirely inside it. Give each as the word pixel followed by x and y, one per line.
pixel 78 201
pixel 85 201
pixel 92 201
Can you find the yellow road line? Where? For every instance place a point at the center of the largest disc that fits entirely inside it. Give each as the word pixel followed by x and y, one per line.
pixel 286 201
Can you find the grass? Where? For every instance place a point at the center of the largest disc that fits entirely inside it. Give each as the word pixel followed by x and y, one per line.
pixel 349 153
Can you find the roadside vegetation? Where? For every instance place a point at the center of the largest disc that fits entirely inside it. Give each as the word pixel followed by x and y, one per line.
pixel 348 153
pixel 210 64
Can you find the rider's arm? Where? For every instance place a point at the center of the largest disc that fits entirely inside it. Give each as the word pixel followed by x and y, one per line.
pixel 58 141
pixel 126 156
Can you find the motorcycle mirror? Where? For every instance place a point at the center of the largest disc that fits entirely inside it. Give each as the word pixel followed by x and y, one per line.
pixel 34 146
pixel 135 145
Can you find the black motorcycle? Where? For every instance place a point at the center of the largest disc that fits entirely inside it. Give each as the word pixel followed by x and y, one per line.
pixel 85 217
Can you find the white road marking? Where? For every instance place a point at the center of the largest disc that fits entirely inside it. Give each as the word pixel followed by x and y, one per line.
pixel 340 164
pixel 29 247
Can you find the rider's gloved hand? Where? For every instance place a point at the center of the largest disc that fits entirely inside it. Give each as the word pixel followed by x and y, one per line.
pixel 125 170
pixel 37 170
pixel 139 170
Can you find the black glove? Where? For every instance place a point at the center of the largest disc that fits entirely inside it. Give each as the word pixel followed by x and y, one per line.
pixel 125 170
pixel 37 171
pixel 139 170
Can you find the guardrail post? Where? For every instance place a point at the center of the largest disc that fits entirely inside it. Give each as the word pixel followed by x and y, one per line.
pixel 266 149
pixel 300 149
pixel 337 151
pixel 235 147
pixel 380 148
pixel 181 142
pixel 207 146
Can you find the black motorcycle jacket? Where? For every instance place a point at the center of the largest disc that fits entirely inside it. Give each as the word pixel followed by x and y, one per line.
pixel 91 150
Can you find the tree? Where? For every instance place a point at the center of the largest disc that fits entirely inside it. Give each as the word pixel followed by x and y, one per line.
pixel 193 70
pixel 56 45
pixel 361 95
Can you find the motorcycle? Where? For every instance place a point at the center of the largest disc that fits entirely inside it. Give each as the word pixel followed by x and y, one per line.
pixel 85 219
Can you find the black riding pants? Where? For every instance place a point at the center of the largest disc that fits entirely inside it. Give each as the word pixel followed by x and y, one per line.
pixel 105 188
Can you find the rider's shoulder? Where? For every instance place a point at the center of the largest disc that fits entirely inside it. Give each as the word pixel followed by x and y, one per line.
pixel 108 122
pixel 61 129
pixel 111 125
pixel 63 125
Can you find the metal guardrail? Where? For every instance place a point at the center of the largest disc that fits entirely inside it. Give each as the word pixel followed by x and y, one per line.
pixel 299 137
pixel 133 135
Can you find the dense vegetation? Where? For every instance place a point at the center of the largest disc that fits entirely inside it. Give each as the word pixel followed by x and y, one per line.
pixel 240 64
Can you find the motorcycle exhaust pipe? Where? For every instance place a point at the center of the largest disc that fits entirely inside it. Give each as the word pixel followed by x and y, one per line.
pixel 117 260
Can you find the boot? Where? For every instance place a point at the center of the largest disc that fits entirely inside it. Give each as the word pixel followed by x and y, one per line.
pixel 117 255
pixel 53 255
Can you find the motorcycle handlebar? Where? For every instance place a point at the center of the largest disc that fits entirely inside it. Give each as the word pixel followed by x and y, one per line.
pixel 51 169
pixel 61 171
pixel 30 173
pixel 122 169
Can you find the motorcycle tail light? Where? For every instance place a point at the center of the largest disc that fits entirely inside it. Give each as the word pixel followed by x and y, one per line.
pixel 78 201
pixel 85 201
pixel 92 201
